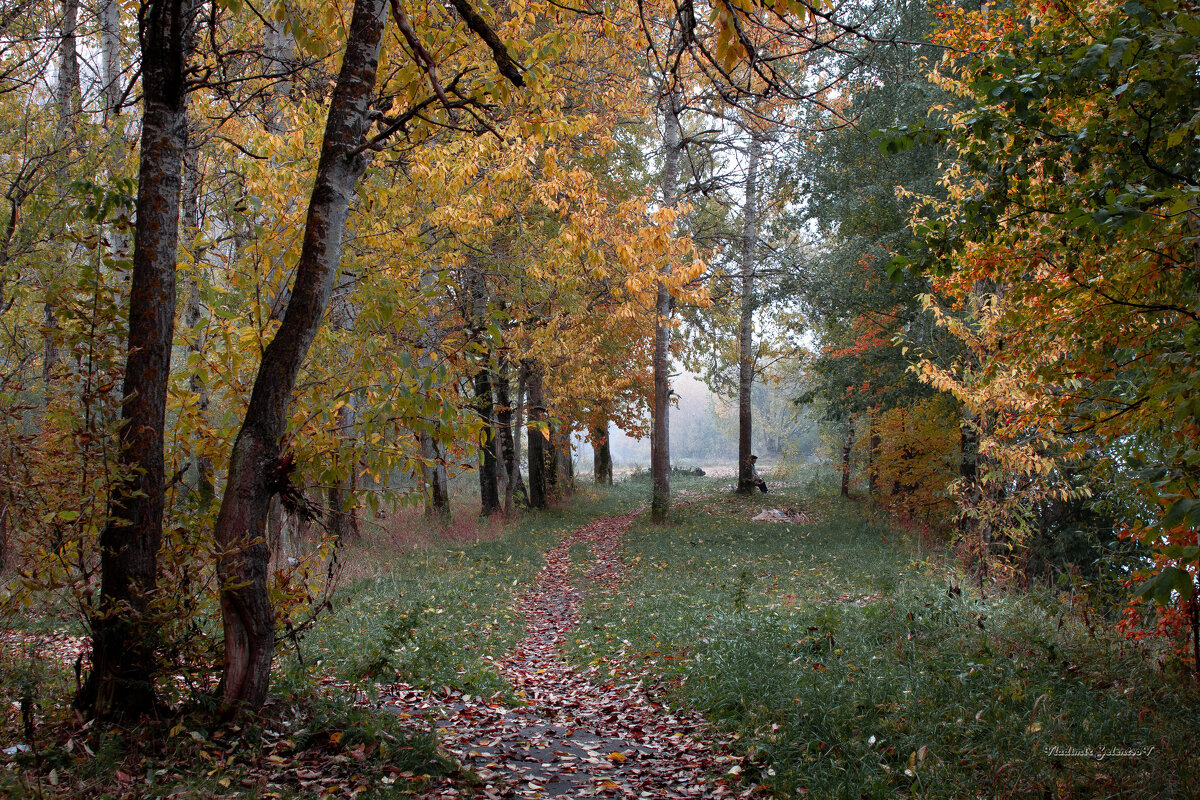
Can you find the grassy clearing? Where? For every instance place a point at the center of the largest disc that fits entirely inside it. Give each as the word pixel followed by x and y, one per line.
pixel 436 614
pixel 846 668
pixel 423 604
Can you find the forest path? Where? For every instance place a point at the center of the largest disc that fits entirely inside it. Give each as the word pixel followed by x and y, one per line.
pixel 574 737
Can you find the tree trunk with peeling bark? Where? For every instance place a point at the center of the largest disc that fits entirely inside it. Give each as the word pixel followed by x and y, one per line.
pixel 257 467
pixel 121 682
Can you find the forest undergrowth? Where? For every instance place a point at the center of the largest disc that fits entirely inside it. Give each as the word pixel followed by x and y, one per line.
pixel 841 659
pixel 851 662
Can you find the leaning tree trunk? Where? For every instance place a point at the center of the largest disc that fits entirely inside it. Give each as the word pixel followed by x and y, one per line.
pixel 121 682
pixel 745 483
pixel 257 467
pixel 660 437
pixel 601 455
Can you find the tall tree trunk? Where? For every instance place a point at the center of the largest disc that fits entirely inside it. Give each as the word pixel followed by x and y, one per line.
pixel 518 424
pixel 343 517
pixel 257 467
pixel 873 454
pixel 601 456
pixel 433 475
pixel 968 471
pixel 121 682
pixel 564 463
pixel 112 92
pixel 847 446
pixel 508 443
pixel 660 436
pixel 552 465
pixel 489 496
pixel 745 483
pixel 434 479
pixel 190 219
pixel 67 100
pixel 537 440
pixel 67 93
pixel 110 56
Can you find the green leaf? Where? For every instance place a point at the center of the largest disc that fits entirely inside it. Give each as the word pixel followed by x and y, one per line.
pixel 1181 509
pixel 1162 585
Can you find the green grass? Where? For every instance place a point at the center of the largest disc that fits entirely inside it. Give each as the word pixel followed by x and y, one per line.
pixel 845 668
pixel 832 654
pixel 438 617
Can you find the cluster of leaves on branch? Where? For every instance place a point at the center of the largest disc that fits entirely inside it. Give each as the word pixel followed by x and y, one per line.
pixel 503 218
pixel 1067 256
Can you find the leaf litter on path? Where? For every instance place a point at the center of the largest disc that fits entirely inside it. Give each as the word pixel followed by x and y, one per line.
pixel 579 734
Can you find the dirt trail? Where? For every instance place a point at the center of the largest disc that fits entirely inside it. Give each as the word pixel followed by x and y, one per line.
pixel 574 737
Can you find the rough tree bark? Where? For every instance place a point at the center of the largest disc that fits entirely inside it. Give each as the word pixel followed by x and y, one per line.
pixel 508 443
pixel 537 440
pixel 204 485
pixel 489 495
pixel 434 479
pixel 343 517
pixel 745 483
pixel 968 469
pixel 257 468
pixel 112 92
pixel 847 446
pixel 601 455
pixel 660 436
pixel 68 101
pixel 873 453
pixel 518 424
pixel 476 316
pixel 121 681
pixel 550 456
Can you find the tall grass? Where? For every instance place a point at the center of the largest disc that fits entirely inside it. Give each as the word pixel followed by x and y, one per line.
pixel 848 668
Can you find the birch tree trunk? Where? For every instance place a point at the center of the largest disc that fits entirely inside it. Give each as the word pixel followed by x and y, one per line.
pixel 121 682
pixel 111 91
pixel 745 483
pixel 67 100
pixel 257 467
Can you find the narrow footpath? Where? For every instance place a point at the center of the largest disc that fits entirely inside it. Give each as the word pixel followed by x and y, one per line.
pixel 576 737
